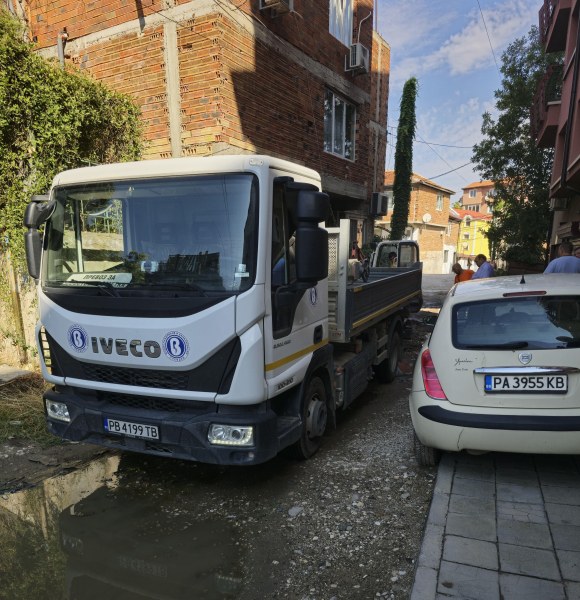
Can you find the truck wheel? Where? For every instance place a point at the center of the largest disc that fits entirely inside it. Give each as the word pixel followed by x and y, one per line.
pixel 426 456
pixel 387 370
pixel 314 419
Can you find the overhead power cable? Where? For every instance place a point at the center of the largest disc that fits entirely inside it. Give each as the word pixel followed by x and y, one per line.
pixel 488 38
pixel 452 170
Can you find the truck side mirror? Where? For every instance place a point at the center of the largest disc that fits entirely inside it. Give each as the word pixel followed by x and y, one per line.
pixel 37 212
pixel 311 240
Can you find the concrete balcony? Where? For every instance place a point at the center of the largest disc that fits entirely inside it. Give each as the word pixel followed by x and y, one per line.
pixel 553 22
pixel 545 110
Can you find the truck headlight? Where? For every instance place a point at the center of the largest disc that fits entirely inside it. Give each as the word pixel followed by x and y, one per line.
pixel 231 435
pixel 57 411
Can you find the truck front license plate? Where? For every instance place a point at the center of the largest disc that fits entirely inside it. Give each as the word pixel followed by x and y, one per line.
pixel 136 430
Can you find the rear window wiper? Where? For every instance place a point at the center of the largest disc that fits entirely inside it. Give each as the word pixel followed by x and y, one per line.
pixel 571 342
pixel 505 346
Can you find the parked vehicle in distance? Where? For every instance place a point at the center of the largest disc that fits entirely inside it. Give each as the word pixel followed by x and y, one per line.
pixel 500 371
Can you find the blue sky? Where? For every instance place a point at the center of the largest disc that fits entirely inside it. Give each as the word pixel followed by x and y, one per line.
pixel 446 47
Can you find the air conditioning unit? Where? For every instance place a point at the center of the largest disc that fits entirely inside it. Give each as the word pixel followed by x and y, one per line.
pixel 379 203
pixel 278 7
pixel 357 59
pixel 558 203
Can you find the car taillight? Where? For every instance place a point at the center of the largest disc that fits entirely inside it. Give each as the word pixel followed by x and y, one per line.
pixel 430 379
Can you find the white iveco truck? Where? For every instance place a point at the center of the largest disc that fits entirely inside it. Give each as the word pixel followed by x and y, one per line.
pixel 197 308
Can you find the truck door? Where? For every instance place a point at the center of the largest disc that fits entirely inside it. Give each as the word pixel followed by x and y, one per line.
pixel 298 318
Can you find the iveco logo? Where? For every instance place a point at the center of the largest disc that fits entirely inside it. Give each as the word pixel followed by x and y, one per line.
pixel 525 357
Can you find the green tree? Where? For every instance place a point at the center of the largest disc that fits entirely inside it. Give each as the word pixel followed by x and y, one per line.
pixel 510 158
pixel 404 160
pixel 51 119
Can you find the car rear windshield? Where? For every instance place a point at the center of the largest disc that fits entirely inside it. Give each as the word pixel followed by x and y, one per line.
pixel 520 322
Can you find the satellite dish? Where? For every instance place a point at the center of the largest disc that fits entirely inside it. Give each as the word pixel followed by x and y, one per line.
pixel 426 218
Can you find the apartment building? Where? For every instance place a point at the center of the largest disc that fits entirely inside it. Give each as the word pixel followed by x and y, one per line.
pixel 478 196
pixel 471 236
pixel 306 80
pixel 428 221
pixel 555 115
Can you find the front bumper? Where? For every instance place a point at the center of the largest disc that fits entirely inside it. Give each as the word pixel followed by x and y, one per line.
pixel 182 433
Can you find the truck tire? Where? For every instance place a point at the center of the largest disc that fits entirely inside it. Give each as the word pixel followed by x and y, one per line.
pixel 426 456
pixel 387 370
pixel 314 419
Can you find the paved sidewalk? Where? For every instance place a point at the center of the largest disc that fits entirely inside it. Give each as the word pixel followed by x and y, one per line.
pixel 502 526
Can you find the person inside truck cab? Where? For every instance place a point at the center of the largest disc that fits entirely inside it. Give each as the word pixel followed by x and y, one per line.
pixel 392 259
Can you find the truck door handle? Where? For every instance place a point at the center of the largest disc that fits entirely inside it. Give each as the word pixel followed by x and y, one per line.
pixel 318 334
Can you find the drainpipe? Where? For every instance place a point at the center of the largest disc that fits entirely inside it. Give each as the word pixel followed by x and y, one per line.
pixel 61 39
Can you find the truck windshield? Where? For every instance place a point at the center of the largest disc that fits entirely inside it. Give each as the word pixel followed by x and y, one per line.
pixel 193 233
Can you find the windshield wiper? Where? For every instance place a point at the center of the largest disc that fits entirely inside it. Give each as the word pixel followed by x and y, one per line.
pixel 190 287
pixel 106 286
pixel 506 346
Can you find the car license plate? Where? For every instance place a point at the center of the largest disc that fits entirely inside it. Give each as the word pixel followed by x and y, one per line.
pixel 136 430
pixel 526 384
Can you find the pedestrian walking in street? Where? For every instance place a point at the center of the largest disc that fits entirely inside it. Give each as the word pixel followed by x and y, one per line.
pixel 565 262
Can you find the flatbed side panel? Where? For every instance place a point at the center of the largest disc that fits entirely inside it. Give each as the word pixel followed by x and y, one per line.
pixel 375 300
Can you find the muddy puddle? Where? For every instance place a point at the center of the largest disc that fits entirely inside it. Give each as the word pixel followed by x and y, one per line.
pixel 112 531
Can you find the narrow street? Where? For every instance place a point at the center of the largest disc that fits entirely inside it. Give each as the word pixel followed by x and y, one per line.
pixel 346 524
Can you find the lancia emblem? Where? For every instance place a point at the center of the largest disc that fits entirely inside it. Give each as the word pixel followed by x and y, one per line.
pixel 525 357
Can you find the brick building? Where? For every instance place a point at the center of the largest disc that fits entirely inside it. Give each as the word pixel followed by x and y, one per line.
pixel 428 222
pixel 478 196
pixel 218 76
pixel 555 117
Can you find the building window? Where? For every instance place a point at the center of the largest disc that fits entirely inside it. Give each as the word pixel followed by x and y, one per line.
pixel 390 201
pixel 445 256
pixel 449 229
pixel 474 207
pixel 472 193
pixel 339 122
pixel 466 236
pixel 340 20
pixel 439 205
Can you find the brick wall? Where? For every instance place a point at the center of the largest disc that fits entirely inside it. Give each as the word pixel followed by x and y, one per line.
pixel 246 82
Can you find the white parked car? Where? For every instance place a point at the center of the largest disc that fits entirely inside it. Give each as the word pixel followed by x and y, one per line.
pixel 501 369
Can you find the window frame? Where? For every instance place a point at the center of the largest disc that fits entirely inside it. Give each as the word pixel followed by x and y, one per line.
pixel 439 202
pixel 329 126
pixel 340 20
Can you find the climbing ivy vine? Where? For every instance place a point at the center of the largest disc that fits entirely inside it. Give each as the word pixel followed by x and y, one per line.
pixel 51 119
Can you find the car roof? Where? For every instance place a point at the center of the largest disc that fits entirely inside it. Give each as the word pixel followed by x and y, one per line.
pixel 552 284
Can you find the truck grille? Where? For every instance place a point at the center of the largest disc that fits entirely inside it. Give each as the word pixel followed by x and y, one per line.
pixel 137 377
pixel 158 404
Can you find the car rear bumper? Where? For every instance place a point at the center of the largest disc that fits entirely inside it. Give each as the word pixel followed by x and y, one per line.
pixel 508 422
pixel 454 429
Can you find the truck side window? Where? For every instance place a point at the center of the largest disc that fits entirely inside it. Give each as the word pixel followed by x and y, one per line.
pixel 284 298
pixel 283 264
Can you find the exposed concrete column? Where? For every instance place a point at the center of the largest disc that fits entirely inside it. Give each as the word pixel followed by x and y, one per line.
pixel 172 86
